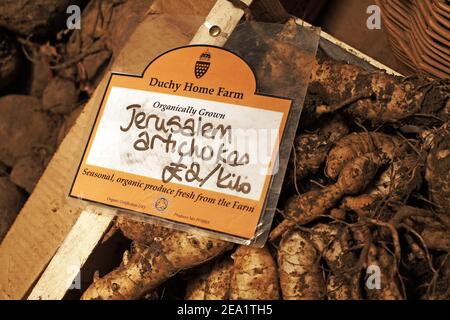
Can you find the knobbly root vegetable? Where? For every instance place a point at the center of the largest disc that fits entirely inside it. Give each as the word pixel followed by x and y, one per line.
pixel 212 285
pixel 333 243
pixel 41 73
pixel 9 59
pixel 254 275
pixel 338 214
pixel 33 17
pixel 196 287
pixel 140 231
pixel 331 83
pixel 439 288
pixel 435 235
pixel 60 96
pixel 357 174
pixel 343 282
pixel 354 178
pixel 445 112
pixel 301 276
pixel 428 229
pixel 105 26
pixel 310 149
pixel 22 127
pixel 438 170
pixel 373 96
pixel 393 99
pixel 395 183
pixel 151 264
pixel 433 230
pixel 388 289
pixel 415 250
pixel 357 144
pixel 321 235
pixel 399 179
pixel 338 255
pixel 27 170
pixel 219 281
pixel 11 200
pixel 363 205
pixel 343 287
pixel 284 48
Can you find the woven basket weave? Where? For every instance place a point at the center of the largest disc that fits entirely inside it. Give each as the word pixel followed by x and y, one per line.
pixel 419 32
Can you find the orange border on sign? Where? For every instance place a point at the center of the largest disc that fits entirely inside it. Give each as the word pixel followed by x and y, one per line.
pixel 226 70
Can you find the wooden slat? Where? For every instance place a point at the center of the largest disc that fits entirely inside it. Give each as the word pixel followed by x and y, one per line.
pixel 72 255
pixel 224 15
pixel 76 248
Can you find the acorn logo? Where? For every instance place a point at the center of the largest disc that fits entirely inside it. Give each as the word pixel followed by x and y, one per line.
pixel 202 64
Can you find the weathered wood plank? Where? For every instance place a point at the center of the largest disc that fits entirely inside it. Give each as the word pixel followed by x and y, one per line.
pixel 72 255
pixel 224 15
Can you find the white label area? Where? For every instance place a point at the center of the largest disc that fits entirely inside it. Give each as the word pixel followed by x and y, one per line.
pixel 206 144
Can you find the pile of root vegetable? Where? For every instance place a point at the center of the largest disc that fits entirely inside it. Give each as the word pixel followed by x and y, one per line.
pixel 47 73
pixel 365 207
pixel 364 212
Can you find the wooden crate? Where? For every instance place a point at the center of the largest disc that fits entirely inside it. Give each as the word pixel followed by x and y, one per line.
pixel 45 263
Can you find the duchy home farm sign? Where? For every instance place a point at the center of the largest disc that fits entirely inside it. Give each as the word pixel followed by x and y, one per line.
pixel 189 142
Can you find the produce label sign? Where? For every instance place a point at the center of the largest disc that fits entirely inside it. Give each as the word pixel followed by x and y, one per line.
pixel 190 141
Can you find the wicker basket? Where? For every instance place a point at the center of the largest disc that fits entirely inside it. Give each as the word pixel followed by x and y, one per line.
pixel 419 31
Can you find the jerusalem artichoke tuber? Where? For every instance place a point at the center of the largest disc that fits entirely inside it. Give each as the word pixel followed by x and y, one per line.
pixel 212 285
pixel 438 169
pixel 382 285
pixel 310 149
pixel 354 177
pixel 152 263
pixel 254 275
pixel 357 144
pixel 374 96
pixel 301 277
